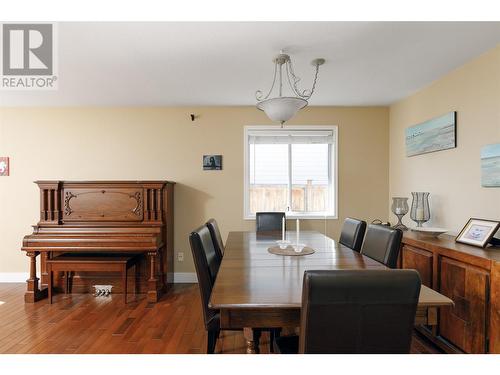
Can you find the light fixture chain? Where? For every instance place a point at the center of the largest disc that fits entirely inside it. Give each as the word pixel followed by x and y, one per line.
pixel 294 78
pixel 315 80
pixel 306 94
pixel 290 82
pixel 258 93
pixel 281 80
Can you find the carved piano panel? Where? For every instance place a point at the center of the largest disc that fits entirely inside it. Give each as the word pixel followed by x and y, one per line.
pixel 103 205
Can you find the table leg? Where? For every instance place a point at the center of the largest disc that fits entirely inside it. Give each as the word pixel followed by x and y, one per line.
pixel 252 337
pixel 43 267
pixel 161 271
pixel 50 285
pixel 65 282
pixel 432 316
pixel 124 282
pixel 153 294
pixel 136 284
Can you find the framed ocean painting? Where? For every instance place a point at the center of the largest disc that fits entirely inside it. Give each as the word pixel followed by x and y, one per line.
pixel 490 165
pixel 437 134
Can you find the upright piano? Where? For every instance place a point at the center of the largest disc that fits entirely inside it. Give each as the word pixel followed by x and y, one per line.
pixel 132 217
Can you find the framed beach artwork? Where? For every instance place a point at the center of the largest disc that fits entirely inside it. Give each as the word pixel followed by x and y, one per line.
pixel 490 165
pixel 478 232
pixel 437 134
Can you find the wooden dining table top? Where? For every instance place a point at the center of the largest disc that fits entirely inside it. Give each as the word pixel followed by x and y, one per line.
pixel 251 277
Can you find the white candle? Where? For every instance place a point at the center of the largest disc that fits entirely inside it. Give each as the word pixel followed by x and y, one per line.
pixel 399 210
pixel 283 229
pixel 420 214
pixel 298 230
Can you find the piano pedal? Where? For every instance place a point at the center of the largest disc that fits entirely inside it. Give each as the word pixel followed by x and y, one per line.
pixel 102 290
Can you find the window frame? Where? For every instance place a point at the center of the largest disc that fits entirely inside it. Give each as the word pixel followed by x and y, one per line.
pixel 333 172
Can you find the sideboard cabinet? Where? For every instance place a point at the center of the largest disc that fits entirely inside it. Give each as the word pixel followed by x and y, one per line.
pixel 470 276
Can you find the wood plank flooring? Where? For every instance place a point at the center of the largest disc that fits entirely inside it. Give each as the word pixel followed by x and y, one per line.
pixel 82 323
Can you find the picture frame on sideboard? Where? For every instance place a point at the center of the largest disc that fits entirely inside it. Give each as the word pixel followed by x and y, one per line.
pixel 478 232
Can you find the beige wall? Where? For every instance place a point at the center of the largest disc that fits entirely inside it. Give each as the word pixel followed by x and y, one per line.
pixel 162 143
pixel 453 177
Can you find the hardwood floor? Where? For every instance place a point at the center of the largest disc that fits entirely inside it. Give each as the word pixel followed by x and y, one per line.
pixel 82 323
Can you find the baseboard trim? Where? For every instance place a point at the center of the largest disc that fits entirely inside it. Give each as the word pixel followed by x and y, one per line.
pixel 185 277
pixel 13 277
pixel 21 277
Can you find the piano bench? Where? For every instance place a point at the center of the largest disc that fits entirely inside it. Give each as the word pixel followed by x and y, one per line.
pixel 74 262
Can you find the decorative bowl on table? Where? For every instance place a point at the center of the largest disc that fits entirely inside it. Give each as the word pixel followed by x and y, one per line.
pixel 429 231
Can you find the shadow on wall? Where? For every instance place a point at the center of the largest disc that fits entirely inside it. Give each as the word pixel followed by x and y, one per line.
pixel 436 207
pixel 190 206
pixel 189 213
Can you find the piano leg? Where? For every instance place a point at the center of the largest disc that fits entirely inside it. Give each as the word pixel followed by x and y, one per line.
pixel 33 294
pixel 153 293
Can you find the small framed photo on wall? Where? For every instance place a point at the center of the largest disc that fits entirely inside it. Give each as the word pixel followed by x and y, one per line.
pixel 212 162
pixel 4 166
pixel 478 232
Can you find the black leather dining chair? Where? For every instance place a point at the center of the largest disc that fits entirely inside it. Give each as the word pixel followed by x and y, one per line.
pixel 382 244
pixel 355 311
pixel 213 227
pixel 353 232
pixel 269 221
pixel 207 264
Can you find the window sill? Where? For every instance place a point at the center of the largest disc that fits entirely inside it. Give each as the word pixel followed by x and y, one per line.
pixel 302 217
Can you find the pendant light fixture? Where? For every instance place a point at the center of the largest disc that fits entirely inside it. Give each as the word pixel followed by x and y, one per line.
pixel 283 108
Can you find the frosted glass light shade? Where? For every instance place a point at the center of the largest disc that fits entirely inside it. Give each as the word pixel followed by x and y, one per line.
pixel 281 109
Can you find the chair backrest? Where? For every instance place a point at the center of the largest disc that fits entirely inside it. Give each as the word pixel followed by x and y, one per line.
pixel 353 232
pixel 382 244
pixel 358 311
pixel 207 264
pixel 216 237
pixel 269 221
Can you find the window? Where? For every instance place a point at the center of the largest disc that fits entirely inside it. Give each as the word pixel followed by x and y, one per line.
pixel 292 169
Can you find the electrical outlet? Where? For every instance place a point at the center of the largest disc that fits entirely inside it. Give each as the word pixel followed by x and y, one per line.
pixel 180 256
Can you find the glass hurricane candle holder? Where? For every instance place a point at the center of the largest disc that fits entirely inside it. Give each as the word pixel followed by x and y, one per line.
pixel 400 208
pixel 420 211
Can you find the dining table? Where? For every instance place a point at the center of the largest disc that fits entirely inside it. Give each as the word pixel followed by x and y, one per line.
pixel 256 289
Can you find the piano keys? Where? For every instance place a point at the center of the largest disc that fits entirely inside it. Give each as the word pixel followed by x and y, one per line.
pixel 127 217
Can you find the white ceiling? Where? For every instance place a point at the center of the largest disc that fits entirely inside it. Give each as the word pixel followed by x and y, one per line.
pixel 184 64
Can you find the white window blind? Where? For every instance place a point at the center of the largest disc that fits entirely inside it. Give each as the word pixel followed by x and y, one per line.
pixel 290 137
pixel 290 170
